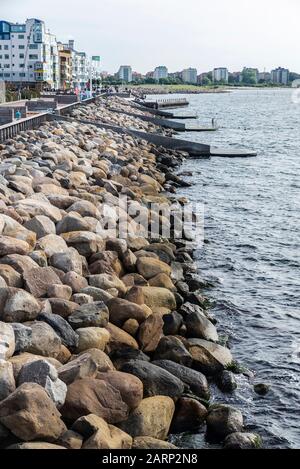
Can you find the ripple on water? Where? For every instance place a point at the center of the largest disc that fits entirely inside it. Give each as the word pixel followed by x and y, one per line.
pixel 252 206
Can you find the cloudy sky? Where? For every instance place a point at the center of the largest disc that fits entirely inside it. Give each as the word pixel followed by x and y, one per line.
pixel 179 34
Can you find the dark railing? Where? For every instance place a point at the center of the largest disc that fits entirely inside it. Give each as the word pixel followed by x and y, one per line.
pixel 11 130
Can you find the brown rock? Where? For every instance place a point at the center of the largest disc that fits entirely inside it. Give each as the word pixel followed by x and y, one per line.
pixel 162 281
pixel 11 276
pixel 44 341
pixel 149 267
pixel 157 298
pixel 134 279
pixel 147 442
pixel 75 281
pixel 120 310
pixel 17 305
pixel 119 339
pixel 37 280
pixel 93 396
pixel 71 440
pixel 131 326
pixel 189 415
pixel 102 360
pixel 63 308
pixel 19 360
pixel 81 367
pixel 135 295
pixel 92 337
pixel 129 386
pixel 150 333
pixel 10 245
pixel 63 292
pixel 31 415
pixel 151 418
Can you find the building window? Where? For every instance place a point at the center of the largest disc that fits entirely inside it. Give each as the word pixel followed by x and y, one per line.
pixel 6 57
pixel 33 56
pixel 5 47
pixel 33 46
pixel 6 66
pixel 21 36
pixel 22 74
pixel 21 56
pixel 21 47
pixel 7 75
pixel 21 65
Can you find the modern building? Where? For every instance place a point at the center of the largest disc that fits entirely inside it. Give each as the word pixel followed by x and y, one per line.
pixel 2 92
pixel 160 73
pixel 28 53
pixel 264 77
pixel 125 73
pixel 65 66
pixel 220 75
pixel 280 76
pixel 189 75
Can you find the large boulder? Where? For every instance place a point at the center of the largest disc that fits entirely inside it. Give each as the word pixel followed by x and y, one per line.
pixel 30 414
pixel 240 440
pixel 149 267
pixel 209 358
pixel 37 280
pixel 7 380
pixel 222 420
pixel 44 374
pixel 7 341
pixel 23 336
pixel 107 282
pixel 197 324
pixel 10 245
pixel 44 340
pixel 81 367
pixel 67 261
pixel 171 348
pixel 93 396
pixel 85 242
pixel 157 298
pixel 121 310
pixel 51 244
pixel 189 415
pixel 90 315
pixel 17 305
pixel 102 360
pixel 100 435
pixel 40 225
pixel 119 339
pixel 150 333
pixel 130 387
pixel 156 380
pixel 68 336
pixel 18 361
pixel 151 418
pixel 92 337
pixel 195 380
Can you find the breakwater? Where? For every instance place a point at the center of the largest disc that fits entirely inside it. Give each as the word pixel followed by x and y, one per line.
pixel 106 339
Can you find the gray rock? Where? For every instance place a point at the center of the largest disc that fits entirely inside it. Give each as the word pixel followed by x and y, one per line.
pixel 17 305
pixel 195 380
pixel 7 341
pixel 90 315
pixel 23 336
pixel 62 328
pixel 242 441
pixel 171 348
pixel 226 381
pixel 41 225
pixel 7 380
pixel 156 380
pixel 97 293
pixel 67 261
pixel 197 324
pixel 82 299
pixel 222 420
pixel 81 367
pixel 44 374
pixel 45 341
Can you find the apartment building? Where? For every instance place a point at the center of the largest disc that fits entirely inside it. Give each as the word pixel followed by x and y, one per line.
pixel 280 76
pixel 28 53
pixel 160 73
pixel 189 75
pixel 220 75
pixel 125 73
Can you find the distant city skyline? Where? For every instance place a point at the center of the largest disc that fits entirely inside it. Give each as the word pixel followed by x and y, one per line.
pixel 196 34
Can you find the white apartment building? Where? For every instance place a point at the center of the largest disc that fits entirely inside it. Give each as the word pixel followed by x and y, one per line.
pixel 189 75
pixel 125 73
pixel 220 75
pixel 28 53
pixel 160 73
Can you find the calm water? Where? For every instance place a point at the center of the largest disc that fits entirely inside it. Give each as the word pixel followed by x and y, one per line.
pixel 252 226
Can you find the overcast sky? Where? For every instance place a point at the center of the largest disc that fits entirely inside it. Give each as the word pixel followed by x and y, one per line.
pixel 179 34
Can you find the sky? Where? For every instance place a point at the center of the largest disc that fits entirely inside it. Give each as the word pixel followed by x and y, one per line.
pixel 192 33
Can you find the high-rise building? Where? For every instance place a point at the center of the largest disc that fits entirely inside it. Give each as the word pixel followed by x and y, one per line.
pixel 160 73
pixel 280 76
pixel 28 53
pixel 189 75
pixel 125 73
pixel 220 75
pixel 2 92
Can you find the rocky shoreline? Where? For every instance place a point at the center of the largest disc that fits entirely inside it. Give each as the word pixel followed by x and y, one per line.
pixel 105 342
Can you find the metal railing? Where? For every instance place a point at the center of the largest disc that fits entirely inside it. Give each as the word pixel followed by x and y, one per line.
pixel 8 131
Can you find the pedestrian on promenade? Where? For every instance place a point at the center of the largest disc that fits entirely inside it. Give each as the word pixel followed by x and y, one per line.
pixel 18 114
